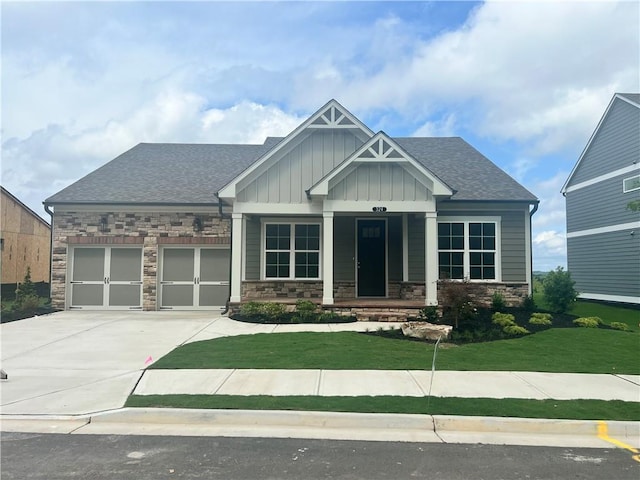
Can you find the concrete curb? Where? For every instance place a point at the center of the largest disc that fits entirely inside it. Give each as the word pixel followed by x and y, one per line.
pixel 333 425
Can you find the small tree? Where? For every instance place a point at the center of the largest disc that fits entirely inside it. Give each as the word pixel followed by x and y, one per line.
pixel 559 291
pixel 26 293
pixel 456 301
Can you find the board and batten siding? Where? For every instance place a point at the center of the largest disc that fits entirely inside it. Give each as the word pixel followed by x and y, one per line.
pixel 615 145
pixel 606 263
pixel 298 169
pixel 253 248
pixel 379 181
pixel 512 233
pixel 416 247
pixel 600 205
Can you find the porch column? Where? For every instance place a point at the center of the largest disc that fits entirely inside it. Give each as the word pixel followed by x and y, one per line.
pixel 236 257
pixel 431 258
pixel 327 258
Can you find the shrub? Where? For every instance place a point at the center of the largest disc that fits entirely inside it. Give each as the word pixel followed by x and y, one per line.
pixel 305 311
pixel 503 319
pixel 456 301
pixel 272 311
pixel 251 309
pixel 515 330
pixel 540 319
pixel 528 304
pixel 429 314
pixel 620 326
pixel 559 291
pixel 25 293
pixel 497 302
pixel 588 322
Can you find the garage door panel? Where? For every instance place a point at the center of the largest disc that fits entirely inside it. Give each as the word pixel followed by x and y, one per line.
pixel 87 295
pixel 178 265
pixel 126 264
pixel 177 295
pixel 213 295
pixel 214 265
pixel 124 295
pixel 88 264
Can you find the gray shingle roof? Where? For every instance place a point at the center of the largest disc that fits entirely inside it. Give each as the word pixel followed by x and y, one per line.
pixel 472 175
pixel 163 173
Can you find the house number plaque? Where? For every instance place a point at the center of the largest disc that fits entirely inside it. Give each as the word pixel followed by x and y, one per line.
pixel 379 209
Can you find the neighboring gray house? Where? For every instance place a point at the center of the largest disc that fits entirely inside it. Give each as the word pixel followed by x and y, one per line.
pixel 603 233
pixel 333 212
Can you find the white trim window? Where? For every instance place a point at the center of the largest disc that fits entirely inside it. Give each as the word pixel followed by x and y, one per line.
pixel 469 249
pixel 631 184
pixel 291 251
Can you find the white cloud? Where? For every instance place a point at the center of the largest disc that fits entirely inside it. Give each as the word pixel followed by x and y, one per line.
pixel 549 250
pixel 444 127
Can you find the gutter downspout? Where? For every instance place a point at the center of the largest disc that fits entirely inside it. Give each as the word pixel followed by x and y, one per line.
pixel 535 209
pixel 50 212
pixel 221 213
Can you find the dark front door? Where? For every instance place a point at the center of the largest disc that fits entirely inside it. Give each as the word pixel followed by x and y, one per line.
pixel 371 264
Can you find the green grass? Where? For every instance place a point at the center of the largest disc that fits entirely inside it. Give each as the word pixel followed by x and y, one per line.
pixel 555 350
pixel 607 312
pixel 560 409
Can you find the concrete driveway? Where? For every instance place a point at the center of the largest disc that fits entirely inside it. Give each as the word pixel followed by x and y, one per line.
pixel 84 362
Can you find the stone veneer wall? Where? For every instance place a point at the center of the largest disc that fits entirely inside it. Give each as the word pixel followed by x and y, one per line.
pixel 481 293
pixel 147 229
pixel 267 289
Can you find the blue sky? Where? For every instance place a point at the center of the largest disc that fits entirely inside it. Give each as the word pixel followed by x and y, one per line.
pixel 524 82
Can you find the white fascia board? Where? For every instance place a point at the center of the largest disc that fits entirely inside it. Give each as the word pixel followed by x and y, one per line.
pixel 256 208
pixel 230 190
pixel 602 178
pixel 608 229
pixel 593 135
pixel 357 206
pixel 610 298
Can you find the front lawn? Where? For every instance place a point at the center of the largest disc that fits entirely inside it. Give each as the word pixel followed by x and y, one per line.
pixel 570 350
pixel 489 407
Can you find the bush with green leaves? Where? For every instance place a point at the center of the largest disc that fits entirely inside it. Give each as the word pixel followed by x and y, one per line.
pixel 528 304
pixel 515 330
pixel 503 319
pixel 559 291
pixel 251 309
pixel 305 312
pixel 429 314
pixel 543 319
pixel 588 322
pixel 273 311
pixel 457 304
pixel 26 294
pixel 620 326
pixel 497 302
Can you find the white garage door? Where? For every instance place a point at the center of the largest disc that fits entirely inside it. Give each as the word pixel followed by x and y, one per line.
pixel 106 278
pixel 194 278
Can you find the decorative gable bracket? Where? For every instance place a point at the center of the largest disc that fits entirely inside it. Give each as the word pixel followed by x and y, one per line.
pixel 381 149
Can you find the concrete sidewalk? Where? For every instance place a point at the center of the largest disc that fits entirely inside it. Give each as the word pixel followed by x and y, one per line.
pixel 407 383
pixel 73 371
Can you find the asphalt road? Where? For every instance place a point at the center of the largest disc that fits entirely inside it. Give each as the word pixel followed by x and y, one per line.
pixel 52 456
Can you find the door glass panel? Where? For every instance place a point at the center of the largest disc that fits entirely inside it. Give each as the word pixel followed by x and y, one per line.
pixel 177 295
pixel 178 265
pixel 86 295
pixel 126 264
pixel 214 265
pixel 88 265
pixel 213 295
pixel 124 295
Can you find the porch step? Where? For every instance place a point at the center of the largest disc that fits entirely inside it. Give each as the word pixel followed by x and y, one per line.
pixel 369 314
